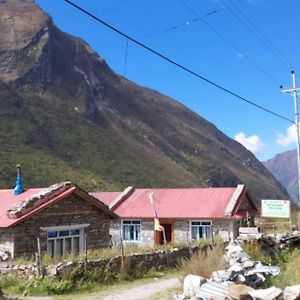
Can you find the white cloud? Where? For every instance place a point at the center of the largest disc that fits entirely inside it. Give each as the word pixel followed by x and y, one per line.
pixel 290 137
pixel 252 143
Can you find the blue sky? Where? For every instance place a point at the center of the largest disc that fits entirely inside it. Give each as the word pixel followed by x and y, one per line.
pixel 221 49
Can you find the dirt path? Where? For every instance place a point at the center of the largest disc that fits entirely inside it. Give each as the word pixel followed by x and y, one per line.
pixel 139 292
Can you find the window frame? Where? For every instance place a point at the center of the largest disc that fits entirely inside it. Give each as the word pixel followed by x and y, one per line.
pixel 140 230
pixel 62 228
pixel 200 225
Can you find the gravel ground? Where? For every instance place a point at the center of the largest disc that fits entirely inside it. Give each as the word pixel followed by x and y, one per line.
pixel 139 292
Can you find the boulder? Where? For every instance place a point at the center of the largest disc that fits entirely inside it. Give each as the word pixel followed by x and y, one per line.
pixel 271 293
pixel 191 285
pixel 239 291
pixel 291 292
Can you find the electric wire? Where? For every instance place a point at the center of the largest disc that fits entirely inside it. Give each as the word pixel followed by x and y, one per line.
pixel 262 34
pixel 125 59
pixel 187 23
pixel 259 38
pixel 216 85
pixel 236 157
pixel 231 45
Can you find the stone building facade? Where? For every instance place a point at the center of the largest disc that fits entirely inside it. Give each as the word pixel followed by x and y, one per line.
pixel 181 231
pixel 73 223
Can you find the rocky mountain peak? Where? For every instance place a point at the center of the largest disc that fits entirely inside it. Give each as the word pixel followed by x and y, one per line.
pixel 70 117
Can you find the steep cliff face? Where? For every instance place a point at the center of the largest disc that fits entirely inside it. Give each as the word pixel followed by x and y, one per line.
pixel 284 167
pixel 69 116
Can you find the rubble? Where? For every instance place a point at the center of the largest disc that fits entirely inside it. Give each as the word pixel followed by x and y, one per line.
pixel 266 294
pixel 36 199
pixel 4 255
pixel 243 279
pixel 191 285
pixel 291 292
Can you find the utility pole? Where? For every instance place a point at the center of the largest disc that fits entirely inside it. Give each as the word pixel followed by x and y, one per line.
pixel 294 93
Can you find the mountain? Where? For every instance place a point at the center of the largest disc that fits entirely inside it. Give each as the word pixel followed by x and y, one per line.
pixel 65 115
pixel 284 167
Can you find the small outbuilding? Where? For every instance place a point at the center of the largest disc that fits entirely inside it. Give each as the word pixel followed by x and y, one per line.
pixel 186 214
pixel 63 217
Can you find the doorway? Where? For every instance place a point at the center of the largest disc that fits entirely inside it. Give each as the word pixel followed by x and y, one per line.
pixel 159 239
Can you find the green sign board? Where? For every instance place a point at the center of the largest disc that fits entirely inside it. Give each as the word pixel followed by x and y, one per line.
pixel 275 208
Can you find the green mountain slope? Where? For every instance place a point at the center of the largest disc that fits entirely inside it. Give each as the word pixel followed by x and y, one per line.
pixel 65 115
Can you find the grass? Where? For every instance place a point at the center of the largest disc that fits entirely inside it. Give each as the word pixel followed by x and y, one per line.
pixel 204 263
pixel 107 253
pixel 165 295
pixel 290 271
pixel 287 261
pixel 78 281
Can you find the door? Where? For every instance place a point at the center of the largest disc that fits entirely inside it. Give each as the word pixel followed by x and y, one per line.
pixel 159 238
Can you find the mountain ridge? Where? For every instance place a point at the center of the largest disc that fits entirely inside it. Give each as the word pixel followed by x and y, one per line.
pixel 69 116
pixel 284 167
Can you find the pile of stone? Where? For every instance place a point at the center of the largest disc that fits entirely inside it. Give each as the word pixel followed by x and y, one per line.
pixel 243 279
pixel 4 255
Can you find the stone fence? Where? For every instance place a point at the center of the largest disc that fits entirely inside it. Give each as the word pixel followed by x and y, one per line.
pixel 135 263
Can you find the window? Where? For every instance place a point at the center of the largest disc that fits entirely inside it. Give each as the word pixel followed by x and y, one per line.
pixel 65 239
pixel 200 230
pixel 131 230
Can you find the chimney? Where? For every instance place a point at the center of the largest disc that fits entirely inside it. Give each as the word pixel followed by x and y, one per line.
pixel 19 186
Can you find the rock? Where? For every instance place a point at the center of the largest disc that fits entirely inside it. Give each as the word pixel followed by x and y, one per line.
pixel 191 285
pixel 291 292
pixel 260 268
pixel 271 293
pixel 220 276
pixel 239 291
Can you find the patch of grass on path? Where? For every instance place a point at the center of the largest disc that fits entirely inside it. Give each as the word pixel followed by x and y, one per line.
pixel 104 290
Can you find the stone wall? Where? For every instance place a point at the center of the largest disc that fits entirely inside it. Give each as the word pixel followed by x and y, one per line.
pixel 138 262
pixel 147 233
pixel 6 241
pixel 69 211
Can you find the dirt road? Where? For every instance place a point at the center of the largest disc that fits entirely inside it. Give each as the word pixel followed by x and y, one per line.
pixel 138 292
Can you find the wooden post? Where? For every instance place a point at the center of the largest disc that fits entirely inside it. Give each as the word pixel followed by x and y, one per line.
pixel 38 258
pixel 165 244
pixel 122 249
pixel 85 253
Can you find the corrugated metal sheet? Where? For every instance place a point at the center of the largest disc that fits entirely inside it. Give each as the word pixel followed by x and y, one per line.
pixel 185 203
pixel 105 197
pixel 212 290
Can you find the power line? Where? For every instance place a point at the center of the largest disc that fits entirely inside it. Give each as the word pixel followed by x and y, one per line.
pixel 230 44
pixel 178 65
pixel 261 34
pixel 187 23
pixel 259 38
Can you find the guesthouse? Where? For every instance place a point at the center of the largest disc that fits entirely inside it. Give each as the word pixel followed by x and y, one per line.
pixel 186 214
pixel 63 218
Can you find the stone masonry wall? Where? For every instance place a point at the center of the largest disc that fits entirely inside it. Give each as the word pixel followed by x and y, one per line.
pixel 221 228
pixel 138 262
pixel 6 240
pixel 69 211
pixel 147 233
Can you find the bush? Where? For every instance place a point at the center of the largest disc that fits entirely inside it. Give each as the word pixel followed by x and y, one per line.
pixel 289 270
pixel 204 263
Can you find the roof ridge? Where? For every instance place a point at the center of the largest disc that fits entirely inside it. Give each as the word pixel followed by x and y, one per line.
pixel 35 200
pixel 233 200
pixel 123 195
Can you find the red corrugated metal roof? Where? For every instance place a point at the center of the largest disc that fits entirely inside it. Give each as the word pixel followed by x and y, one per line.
pixel 9 201
pixel 106 197
pixel 186 203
